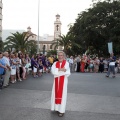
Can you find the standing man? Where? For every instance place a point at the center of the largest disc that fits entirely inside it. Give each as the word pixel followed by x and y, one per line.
pixel 111 67
pixel 71 61
pixel 8 70
pixel 61 71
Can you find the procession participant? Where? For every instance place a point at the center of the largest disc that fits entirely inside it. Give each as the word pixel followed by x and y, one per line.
pixel 13 64
pixel 101 65
pixel 17 67
pixel 111 67
pixel 51 60
pixel 35 68
pixel 96 65
pixel 8 70
pixel 40 68
pixel 24 62
pixel 71 61
pixel 83 62
pixel 2 70
pixel 78 59
pixel 60 69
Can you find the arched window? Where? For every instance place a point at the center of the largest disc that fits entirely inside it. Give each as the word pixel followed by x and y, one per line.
pixel 57 27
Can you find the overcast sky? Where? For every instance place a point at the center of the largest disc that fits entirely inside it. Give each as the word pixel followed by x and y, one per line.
pixel 19 14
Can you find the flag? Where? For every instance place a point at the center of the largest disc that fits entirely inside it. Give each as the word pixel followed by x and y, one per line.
pixel 110 47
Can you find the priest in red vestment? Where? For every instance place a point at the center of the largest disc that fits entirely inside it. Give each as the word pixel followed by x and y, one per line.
pixel 61 72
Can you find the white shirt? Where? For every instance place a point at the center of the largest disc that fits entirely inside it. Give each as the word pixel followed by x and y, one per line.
pixel 6 60
pixel 71 61
pixel 112 63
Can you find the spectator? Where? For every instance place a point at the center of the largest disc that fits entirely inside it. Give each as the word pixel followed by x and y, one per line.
pixel 101 66
pixel 24 62
pixel 2 70
pixel 8 70
pixel 18 66
pixel 13 64
pixel 71 63
pixel 35 68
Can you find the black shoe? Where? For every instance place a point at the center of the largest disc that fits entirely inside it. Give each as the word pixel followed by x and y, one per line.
pixel 113 76
pixel 60 114
pixel 5 86
pixel 107 76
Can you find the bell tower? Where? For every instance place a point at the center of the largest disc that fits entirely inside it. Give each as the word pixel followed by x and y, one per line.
pixel 57 27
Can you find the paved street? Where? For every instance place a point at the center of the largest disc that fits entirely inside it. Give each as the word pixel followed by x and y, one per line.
pixel 91 96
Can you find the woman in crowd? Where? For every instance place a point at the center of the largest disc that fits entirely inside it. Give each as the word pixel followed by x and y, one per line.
pixel 101 66
pixel 35 67
pixel 32 62
pixel 91 65
pixel 105 62
pixel 24 62
pixel 17 59
pixel 40 68
pixel 96 65
pixel 2 70
pixel 87 64
pixel 27 58
pixel 78 59
pixel 83 62
pixel 13 64
pixel 71 61
pixel 119 65
pixel 46 65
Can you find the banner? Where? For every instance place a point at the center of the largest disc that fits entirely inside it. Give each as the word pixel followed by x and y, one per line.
pixel 110 47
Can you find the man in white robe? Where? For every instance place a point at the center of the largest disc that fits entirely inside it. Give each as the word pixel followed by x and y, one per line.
pixel 61 71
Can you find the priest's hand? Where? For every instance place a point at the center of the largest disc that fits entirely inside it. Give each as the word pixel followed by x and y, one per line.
pixel 62 69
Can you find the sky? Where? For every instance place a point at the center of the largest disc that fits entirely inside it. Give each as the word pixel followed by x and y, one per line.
pixel 19 14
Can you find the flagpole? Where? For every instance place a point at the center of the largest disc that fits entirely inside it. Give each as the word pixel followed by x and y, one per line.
pixel 38 48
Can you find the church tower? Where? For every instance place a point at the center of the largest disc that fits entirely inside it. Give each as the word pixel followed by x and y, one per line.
pixel 57 27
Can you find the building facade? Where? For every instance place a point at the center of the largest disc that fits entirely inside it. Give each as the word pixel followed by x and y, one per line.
pixel 46 40
pixel 1 6
pixel 31 34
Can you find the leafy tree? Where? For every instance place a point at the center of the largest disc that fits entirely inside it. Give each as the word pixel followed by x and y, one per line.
pixel 97 26
pixel 51 52
pixel 20 42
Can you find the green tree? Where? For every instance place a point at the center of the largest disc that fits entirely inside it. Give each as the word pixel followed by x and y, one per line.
pixel 97 26
pixel 20 42
pixel 51 52
pixel 67 42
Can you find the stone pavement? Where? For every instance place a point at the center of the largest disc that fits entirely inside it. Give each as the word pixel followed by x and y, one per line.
pixel 90 97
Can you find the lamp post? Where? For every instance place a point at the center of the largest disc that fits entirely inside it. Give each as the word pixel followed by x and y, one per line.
pixel 38 48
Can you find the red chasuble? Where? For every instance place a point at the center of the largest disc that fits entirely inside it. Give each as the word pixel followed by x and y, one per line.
pixel 59 83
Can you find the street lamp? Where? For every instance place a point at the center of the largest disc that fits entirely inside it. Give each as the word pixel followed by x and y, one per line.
pixel 38 47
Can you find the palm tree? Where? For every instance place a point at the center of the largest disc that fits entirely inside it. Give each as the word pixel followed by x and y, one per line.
pixel 65 41
pixel 19 41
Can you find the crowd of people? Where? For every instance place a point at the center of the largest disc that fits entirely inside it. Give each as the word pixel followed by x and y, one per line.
pixel 16 66
pixel 86 63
